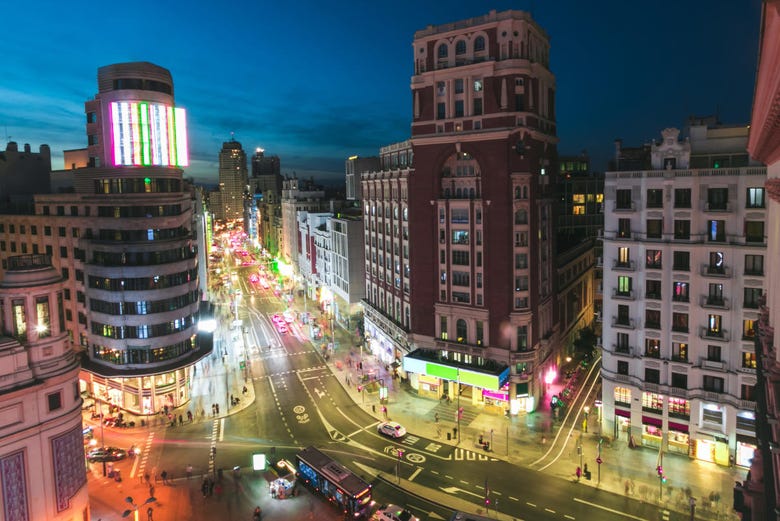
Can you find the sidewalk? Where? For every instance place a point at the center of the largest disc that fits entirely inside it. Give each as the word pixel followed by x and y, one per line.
pixel 519 440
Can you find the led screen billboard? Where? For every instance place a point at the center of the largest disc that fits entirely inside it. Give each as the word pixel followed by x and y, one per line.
pixel 148 134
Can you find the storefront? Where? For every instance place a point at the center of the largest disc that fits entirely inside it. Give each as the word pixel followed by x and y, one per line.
pixel 712 448
pixel 652 433
pixel 622 424
pixel 435 377
pixel 142 395
pixel 379 345
pixel 746 448
pixel 679 440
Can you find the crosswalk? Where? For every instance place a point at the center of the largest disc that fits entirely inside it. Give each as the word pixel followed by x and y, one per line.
pixel 213 449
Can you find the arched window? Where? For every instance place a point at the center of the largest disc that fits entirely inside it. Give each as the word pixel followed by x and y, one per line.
pixel 517 192
pixel 461 331
pixel 525 192
pixel 479 44
pixel 471 193
pixel 458 193
pixel 521 216
pixel 460 47
pixel 446 193
pixel 443 50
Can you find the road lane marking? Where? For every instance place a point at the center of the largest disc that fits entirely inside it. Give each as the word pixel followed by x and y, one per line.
pixel 607 509
pixel 530 504
pixel 549 510
pixel 414 474
pixel 513 498
pixel 567 516
pixel 464 482
pixel 221 429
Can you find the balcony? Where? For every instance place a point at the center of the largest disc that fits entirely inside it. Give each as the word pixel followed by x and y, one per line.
pixel 717 365
pixel 717 207
pixel 625 207
pixel 723 272
pixel 707 334
pixel 622 350
pixel 747 370
pixel 747 405
pixel 623 323
pixel 623 266
pixel 712 302
pixel 679 392
pixel 623 295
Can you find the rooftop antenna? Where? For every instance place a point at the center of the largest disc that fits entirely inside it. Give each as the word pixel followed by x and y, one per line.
pixel 232 136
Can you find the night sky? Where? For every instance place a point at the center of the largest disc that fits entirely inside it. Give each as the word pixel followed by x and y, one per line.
pixel 315 81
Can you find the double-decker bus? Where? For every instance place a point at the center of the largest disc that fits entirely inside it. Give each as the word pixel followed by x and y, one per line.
pixel 335 482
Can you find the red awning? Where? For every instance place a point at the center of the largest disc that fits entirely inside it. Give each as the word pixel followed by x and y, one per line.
pixel 656 422
pixel 679 427
pixel 621 412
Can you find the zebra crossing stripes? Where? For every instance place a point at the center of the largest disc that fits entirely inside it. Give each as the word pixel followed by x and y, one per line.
pixel 213 449
pixel 460 454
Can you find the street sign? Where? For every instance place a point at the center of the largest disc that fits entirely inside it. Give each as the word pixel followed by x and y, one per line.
pixel 599 460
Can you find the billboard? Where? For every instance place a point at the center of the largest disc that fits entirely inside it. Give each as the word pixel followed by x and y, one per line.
pixel 148 134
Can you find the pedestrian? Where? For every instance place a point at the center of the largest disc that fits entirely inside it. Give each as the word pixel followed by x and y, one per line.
pixel 211 487
pixel 181 420
pixel 204 487
pixel 164 476
pixel 147 478
pixel 213 409
pixel 244 390
pixel 149 512
pixel 165 410
pixel 189 416
pixel 189 471
pixel 217 406
pixel 151 490
pixel 436 417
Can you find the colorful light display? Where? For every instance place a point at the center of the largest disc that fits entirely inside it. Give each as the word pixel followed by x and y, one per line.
pixel 147 134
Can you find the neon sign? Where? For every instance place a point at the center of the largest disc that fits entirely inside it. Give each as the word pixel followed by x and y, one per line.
pixel 148 134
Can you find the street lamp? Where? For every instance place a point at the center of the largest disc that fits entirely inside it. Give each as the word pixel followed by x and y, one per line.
pixel 398 465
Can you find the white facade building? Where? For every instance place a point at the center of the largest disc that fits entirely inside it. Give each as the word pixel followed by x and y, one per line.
pixel 684 248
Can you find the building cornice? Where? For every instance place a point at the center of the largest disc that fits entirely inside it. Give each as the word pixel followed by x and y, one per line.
pixel 764 141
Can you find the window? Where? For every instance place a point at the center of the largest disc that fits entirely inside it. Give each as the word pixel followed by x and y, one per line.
pixel 47 231
pixel 680 380
pixel 55 401
pixel 63 252
pixel 655 198
pixel 680 292
pixel 653 289
pixel 622 367
pixel 716 231
pixel 748 392
pixel 622 394
pixel 43 320
pixel 461 258
pixel 441 110
pixel 461 330
pixel 655 228
pixel 717 263
pixel 479 43
pixel 714 325
pixel 522 338
pixel 679 352
pixel 624 228
pixel 477 107
pixel 653 348
pixel 459 86
pixel 624 256
pixel 713 353
pixel 19 317
pixel 441 88
pixel 480 332
pixel 680 322
pixel 459 108
pixel 443 327
pixel 442 51
pixel 622 343
pixel 755 198
pixel 682 229
pixel 748 360
pixel 679 408
pixel 653 259
pixel 653 319
pixel 652 401
pixel 754 231
pixel 715 295
pixel 717 198
pixel 624 286
pixel 623 200
pixel 712 384
pixel 748 329
pixel 460 237
pixel 754 264
pixel 622 317
pixel 681 260
pixel 752 295
pixel 652 376
pixel 460 47
pixel 61 231
pixel 682 197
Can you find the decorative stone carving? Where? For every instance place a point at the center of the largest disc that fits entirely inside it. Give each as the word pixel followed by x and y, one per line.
pixel 670 153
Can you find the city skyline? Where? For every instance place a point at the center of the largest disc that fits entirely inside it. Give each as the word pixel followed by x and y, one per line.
pixel 339 85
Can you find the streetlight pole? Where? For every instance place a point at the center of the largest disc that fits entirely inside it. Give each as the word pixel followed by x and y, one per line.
pixel 457 392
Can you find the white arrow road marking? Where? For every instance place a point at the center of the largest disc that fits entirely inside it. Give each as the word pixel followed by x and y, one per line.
pixel 319 393
pixel 455 490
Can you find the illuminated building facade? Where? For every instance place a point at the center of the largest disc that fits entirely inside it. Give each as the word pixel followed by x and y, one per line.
pixel 758 496
pixel 42 468
pixel 232 181
pixel 125 240
pixel 684 271
pixel 460 242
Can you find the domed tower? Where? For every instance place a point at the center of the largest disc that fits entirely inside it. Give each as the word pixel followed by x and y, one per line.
pixel 42 467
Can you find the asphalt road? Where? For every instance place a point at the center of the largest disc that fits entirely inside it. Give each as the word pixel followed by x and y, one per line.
pixel 300 403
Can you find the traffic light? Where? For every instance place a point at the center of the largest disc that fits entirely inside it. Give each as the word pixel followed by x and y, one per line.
pixel 360 388
pixel 660 470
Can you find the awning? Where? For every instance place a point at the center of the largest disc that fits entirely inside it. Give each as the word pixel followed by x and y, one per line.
pixel 492 376
pixel 621 412
pixel 679 427
pixel 649 420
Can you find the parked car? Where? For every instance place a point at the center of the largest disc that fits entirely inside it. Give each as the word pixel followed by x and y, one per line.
pixel 106 454
pixel 393 513
pixel 392 429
